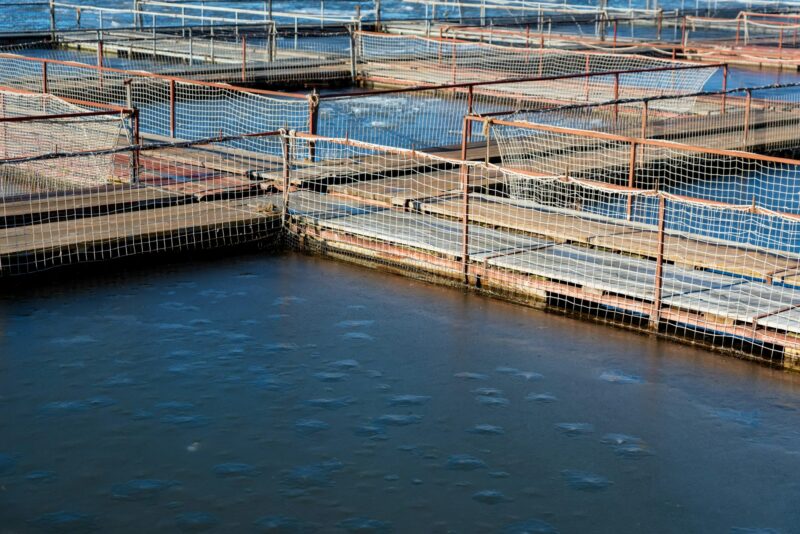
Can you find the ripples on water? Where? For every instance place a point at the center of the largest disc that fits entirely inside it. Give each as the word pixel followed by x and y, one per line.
pixel 221 397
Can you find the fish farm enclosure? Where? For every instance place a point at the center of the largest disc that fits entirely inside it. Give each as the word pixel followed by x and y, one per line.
pixel 598 159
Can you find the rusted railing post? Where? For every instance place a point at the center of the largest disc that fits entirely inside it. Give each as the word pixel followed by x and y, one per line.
pixel 747 105
pixel 465 207
pixel 616 96
pixel 313 123
pixel 724 86
pixel 470 100
pixel 586 84
pixel 631 178
pixel 137 145
pixel 287 161
pixel 615 33
pixel 645 110
pixel 244 58
pixel 655 315
pixel 172 118
pixel 353 55
pixel 44 77
pixel 100 61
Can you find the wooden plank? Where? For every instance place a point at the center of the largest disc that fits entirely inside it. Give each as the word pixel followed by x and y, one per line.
pixel 693 253
pixel 609 272
pixel 56 207
pixel 28 248
pixel 557 226
pixel 398 191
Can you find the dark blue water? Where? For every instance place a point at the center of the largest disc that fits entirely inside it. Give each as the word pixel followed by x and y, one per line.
pixel 236 394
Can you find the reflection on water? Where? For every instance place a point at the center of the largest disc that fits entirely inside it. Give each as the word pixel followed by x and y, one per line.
pixel 235 396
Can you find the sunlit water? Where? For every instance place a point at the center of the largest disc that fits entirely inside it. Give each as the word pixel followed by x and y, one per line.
pixel 260 392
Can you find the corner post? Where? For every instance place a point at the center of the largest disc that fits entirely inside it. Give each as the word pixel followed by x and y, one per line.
pixel 464 175
pixel 313 123
pixel 287 161
pixel 655 315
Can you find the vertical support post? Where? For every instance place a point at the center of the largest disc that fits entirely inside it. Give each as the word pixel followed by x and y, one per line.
pixel 724 86
pixel 137 17
pixel 244 58
pixel 645 109
pixel 631 178
pixel 615 33
pixel 470 102
pixel 655 316
pixel 138 143
pixel 44 77
pixel 464 174
pixel 172 117
pixel 213 56
pixel 295 33
pixel 313 123
pixel 3 128
pixel 738 29
pixel 287 161
pixel 586 83
pixel 321 14
pixel 100 61
pixel 455 60
pixel 616 96
pixel 353 56
pixel 191 47
pixel 52 7
pixel 747 105
pixel 378 15
pixel 683 33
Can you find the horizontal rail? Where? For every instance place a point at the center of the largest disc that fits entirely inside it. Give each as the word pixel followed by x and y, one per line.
pixel 26 118
pixel 281 14
pixel 637 140
pixel 139 147
pixel 145 74
pixel 508 81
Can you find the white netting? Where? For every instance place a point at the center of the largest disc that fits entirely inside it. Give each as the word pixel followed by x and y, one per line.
pixel 406 60
pixel 195 110
pixel 713 270
pixel 52 125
